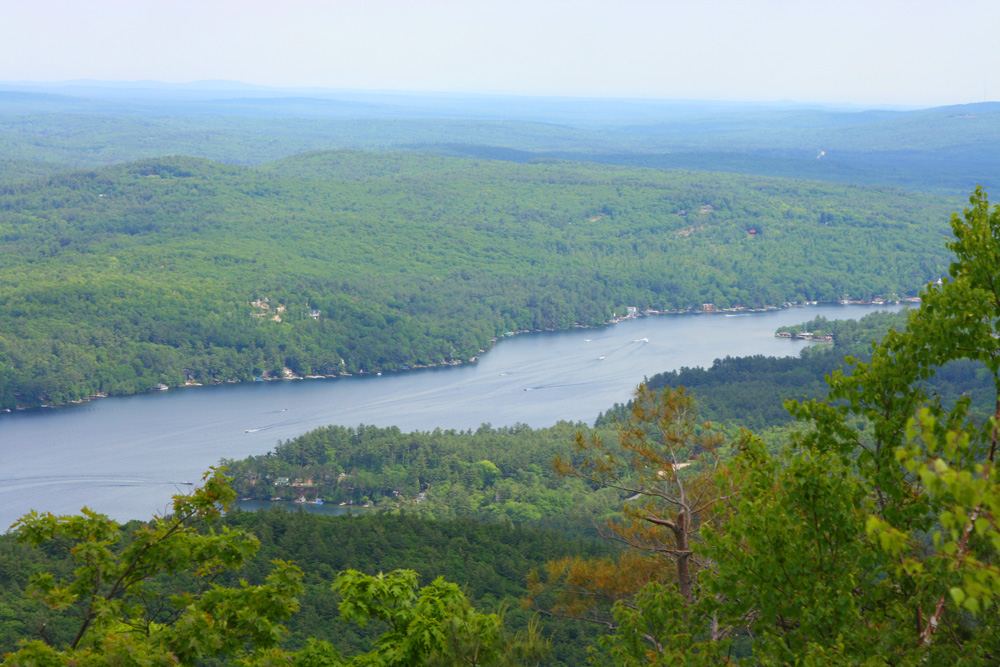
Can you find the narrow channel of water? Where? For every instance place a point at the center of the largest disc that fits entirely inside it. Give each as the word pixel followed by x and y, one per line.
pixel 127 456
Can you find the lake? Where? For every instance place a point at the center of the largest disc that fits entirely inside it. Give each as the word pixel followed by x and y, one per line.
pixel 127 456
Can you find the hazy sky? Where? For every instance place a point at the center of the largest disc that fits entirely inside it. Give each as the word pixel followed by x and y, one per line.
pixel 907 52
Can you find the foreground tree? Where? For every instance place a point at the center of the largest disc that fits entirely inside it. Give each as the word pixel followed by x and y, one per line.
pixel 435 626
pixel 874 539
pixel 666 465
pixel 926 469
pixel 150 597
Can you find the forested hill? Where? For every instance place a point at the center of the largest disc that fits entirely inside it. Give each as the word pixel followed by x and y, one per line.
pixel 948 150
pixel 175 269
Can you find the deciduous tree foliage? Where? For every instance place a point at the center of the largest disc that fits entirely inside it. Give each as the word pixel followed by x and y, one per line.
pixel 874 539
pixel 149 597
pixel 433 626
pixel 152 597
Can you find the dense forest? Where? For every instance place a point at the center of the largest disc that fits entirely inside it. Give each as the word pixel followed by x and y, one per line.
pixel 839 508
pixel 869 537
pixel 490 474
pixel 176 270
pixel 492 560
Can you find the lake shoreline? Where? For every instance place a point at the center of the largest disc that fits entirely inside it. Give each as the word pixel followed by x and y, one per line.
pixel 127 457
pixel 459 362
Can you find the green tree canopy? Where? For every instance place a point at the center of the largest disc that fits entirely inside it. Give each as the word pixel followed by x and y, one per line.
pixel 874 539
pixel 149 597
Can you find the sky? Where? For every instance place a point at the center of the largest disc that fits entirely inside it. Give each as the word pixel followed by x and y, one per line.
pixel 875 52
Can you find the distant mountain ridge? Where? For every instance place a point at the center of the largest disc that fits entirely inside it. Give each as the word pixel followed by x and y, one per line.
pixel 87 123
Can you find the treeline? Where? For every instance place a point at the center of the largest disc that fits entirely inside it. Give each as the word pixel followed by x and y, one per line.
pixel 750 392
pixel 176 269
pixel 947 149
pixel 493 474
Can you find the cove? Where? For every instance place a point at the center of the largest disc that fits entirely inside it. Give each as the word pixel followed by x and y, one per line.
pixel 127 456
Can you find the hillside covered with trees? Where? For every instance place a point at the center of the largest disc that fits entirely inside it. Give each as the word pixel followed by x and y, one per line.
pixel 172 270
pixel 840 508
pixel 872 538
pixel 948 150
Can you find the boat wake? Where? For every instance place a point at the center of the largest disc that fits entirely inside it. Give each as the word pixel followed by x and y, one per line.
pixel 86 480
pixel 300 418
pixel 561 385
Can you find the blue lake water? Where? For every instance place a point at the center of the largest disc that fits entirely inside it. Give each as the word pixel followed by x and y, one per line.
pixel 127 456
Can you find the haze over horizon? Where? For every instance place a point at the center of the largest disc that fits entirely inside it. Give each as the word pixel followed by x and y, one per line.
pixel 853 52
